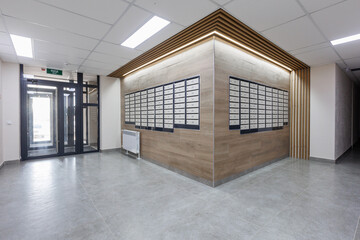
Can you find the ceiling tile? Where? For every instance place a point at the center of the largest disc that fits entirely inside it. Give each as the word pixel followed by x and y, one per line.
pixel 318 57
pixel 5 39
pixel 65 59
pixel 53 48
pixel 264 14
pixel 7 49
pixel 133 19
pixel 222 2
pixel 311 5
pixel 2 25
pixel 8 57
pixel 105 58
pixel 35 63
pixel 353 63
pixel 34 31
pixel 100 65
pixel 50 64
pixel 94 71
pixel 161 36
pixel 296 34
pixel 310 48
pixel 105 10
pixel 184 12
pixel 117 50
pixel 338 21
pixel 53 17
pixel 71 68
pixel 349 50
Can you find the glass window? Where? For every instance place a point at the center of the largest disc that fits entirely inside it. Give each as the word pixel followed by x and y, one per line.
pixel 69 120
pixel 93 95
pixel 89 80
pixel 90 95
pixel 90 123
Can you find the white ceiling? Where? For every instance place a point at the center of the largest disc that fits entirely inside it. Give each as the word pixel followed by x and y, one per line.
pixel 85 35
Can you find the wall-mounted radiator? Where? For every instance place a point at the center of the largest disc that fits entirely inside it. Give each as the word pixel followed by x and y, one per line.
pixel 131 141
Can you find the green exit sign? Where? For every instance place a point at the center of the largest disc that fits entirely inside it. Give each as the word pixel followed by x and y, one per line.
pixel 53 71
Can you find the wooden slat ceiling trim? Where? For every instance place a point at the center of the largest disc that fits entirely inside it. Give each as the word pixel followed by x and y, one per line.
pixel 221 22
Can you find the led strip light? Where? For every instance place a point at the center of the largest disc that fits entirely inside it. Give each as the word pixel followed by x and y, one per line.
pixel 213 33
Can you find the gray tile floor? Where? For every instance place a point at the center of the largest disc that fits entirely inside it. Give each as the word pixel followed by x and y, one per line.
pixel 111 196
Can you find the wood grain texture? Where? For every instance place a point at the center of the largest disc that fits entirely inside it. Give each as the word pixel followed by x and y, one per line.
pixel 224 23
pixel 235 153
pixel 300 113
pixel 215 152
pixel 188 150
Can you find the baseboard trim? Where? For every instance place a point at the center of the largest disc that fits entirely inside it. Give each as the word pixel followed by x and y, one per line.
pixel 178 171
pixel 324 160
pixel 110 150
pixel 9 162
pixel 237 175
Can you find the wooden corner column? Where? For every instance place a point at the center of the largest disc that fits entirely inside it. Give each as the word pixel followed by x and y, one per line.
pixel 300 113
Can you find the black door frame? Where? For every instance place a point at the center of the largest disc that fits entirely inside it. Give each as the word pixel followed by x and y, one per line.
pixel 86 105
pixel 60 116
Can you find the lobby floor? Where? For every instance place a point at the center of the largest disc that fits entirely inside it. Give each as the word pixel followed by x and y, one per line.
pixel 112 196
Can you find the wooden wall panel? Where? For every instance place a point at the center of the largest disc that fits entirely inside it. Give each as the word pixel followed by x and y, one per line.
pixel 215 152
pixel 300 113
pixel 236 153
pixel 190 151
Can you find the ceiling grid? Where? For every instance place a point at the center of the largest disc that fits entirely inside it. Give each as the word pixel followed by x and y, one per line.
pixel 75 35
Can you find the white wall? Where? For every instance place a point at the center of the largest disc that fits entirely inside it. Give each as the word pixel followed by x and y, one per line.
pixel 11 111
pixel 343 112
pixel 1 114
pixel 110 120
pixel 322 112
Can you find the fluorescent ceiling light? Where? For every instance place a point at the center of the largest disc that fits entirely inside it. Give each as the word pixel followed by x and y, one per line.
pixel 23 46
pixel 346 39
pixel 154 25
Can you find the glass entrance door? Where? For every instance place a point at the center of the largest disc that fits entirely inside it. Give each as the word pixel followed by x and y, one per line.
pixel 42 120
pixel 50 119
pixel 59 116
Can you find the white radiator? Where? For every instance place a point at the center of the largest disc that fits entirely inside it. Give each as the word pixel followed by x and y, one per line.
pixel 131 141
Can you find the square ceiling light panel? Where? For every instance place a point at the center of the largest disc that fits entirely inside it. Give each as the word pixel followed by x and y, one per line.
pixel 154 25
pixel 23 46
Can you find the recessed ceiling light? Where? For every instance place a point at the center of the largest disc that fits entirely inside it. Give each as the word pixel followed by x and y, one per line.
pixel 345 39
pixel 154 25
pixel 23 46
